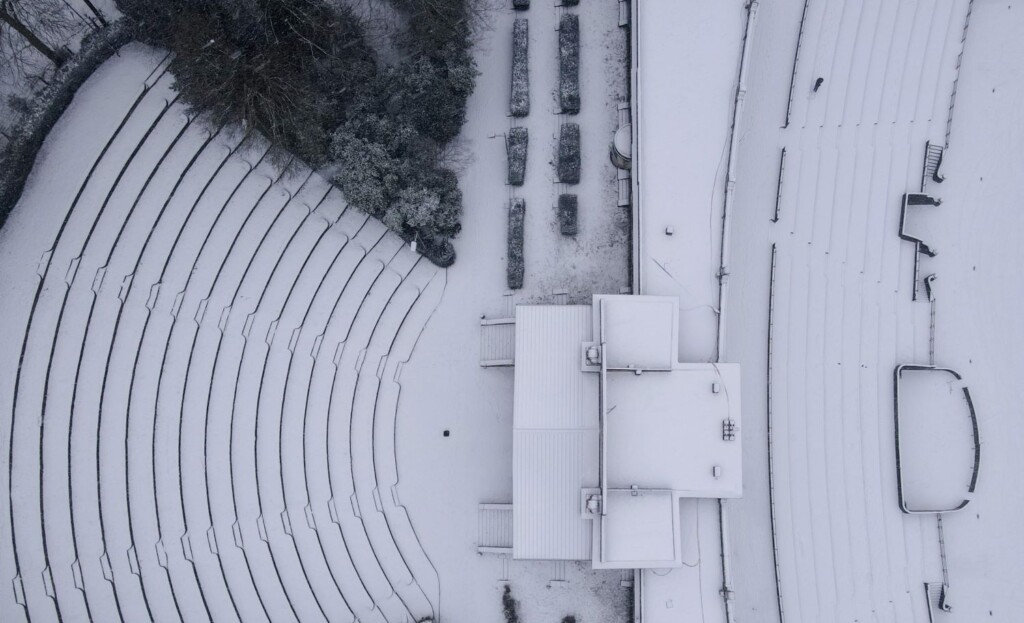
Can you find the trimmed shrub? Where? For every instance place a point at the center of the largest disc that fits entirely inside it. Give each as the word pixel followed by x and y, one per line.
pixel 19 155
pixel 509 606
pixel 520 103
pixel 569 154
pixel 516 223
pixel 520 5
pixel 518 138
pixel 567 209
pixel 569 63
pixel 570 2
pixel 440 251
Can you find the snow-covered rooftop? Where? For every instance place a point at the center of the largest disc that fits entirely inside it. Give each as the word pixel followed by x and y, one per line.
pixel 635 432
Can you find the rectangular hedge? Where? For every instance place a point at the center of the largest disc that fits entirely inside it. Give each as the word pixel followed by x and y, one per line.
pixel 518 139
pixel 569 63
pixel 520 102
pixel 569 154
pixel 567 210
pixel 516 222
pixel 521 5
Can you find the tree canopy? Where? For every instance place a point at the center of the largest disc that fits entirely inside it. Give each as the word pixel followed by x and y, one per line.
pixel 301 72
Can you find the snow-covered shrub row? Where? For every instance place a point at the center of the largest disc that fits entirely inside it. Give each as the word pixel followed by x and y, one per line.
pixel 570 2
pixel 516 266
pixel 569 154
pixel 569 63
pixel 520 104
pixel 518 139
pixel 19 155
pixel 567 210
pixel 520 5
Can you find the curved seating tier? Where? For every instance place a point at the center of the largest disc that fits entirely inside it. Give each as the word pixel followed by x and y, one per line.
pixel 204 390
pixel 842 316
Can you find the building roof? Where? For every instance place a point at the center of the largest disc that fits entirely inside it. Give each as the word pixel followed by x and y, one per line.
pixel 638 430
pixel 555 434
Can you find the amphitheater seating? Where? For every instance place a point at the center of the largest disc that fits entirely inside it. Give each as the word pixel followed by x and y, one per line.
pixel 205 407
pixel 841 316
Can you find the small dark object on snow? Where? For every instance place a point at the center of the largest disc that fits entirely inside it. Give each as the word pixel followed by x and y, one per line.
pixel 567 211
pixel 516 221
pixel 520 5
pixel 569 619
pixel 509 606
pixel 569 154
pixel 520 101
pixel 447 433
pixel 569 63
pixel 570 2
pixel 518 139
pixel 818 83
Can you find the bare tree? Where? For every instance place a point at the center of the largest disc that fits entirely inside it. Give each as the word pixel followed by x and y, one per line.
pixel 35 21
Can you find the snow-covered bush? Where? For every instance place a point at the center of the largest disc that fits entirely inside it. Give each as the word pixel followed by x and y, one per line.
pixel 509 606
pixel 570 2
pixel 569 63
pixel 569 154
pixel 520 5
pixel 567 210
pixel 304 75
pixel 520 103
pixel 19 155
pixel 518 139
pixel 516 222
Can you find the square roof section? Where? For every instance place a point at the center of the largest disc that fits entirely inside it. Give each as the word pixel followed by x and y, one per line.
pixel 640 332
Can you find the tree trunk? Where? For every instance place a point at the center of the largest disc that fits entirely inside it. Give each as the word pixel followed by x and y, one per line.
pixel 96 12
pixel 57 57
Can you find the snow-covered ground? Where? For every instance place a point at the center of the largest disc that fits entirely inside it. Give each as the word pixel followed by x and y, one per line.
pixel 443 479
pixel 839 290
pixel 227 394
pixel 204 421
pixel 977 328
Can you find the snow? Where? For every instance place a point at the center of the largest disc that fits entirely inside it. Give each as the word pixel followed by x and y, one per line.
pixel 227 394
pixel 687 57
pixel 977 331
pixel 936 440
pixel 838 281
pixel 443 479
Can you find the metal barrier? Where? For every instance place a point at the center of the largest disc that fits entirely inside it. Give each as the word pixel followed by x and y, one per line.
pixel 771 458
pixel 796 60
pixel 956 80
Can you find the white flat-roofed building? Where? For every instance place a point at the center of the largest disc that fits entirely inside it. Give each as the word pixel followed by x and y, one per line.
pixel 610 431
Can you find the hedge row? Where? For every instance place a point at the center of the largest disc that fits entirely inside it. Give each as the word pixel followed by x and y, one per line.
pixel 518 139
pixel 516 221
pixel 520 103
pixel 569 154
pixel 569 63
pixel 27 136
pixel 521 5
pixel 567 210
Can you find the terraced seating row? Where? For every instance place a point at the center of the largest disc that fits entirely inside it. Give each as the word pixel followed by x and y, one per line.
pixel 204 411
pixel 838 324
pixel 882 62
